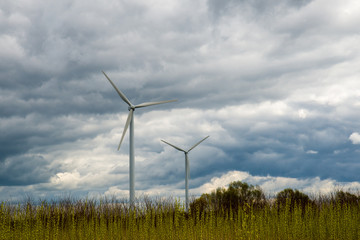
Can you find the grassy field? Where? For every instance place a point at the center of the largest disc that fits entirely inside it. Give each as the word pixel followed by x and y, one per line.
pixel 322 218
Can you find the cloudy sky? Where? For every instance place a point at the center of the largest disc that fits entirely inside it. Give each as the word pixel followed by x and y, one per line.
pixel 276 85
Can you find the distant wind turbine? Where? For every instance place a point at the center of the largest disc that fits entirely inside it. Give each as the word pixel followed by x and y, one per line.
pixel 130 120
pixel 187 168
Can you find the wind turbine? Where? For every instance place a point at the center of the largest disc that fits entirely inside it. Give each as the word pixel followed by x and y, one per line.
pixel 130 121
pixel 187 168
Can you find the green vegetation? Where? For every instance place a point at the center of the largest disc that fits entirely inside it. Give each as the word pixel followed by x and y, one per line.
pixel 239 212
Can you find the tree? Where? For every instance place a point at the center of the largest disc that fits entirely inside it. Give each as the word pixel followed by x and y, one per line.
pixel 346 198
pixel 237 194
pixel 293 198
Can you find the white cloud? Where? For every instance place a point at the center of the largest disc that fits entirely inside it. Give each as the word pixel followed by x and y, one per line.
pixel 312 152
pixel 274 184
pixel 303 113
pixel 115 191
pixel 355 138
pixel 11 49
pixel 66 180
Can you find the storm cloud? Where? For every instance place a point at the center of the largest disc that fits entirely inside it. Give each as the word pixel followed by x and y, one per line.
pixel 274 84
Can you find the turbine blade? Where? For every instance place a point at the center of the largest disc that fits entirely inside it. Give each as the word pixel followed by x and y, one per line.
pixel 182 150
pixel 130 116
pixel 197 143
pixel 123 97
pixel 153 103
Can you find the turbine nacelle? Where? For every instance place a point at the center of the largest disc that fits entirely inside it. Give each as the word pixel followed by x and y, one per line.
pixel 182 150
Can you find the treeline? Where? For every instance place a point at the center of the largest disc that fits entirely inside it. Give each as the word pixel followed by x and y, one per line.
pixel 240 193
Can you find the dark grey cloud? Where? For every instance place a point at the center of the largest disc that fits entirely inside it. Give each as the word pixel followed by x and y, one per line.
pixel 259 8
pixel 25 170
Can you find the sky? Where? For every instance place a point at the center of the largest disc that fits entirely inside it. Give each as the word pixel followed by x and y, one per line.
pixel 276 85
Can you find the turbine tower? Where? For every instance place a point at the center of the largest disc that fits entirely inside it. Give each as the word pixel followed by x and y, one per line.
pixel 130 121
pixel 187 168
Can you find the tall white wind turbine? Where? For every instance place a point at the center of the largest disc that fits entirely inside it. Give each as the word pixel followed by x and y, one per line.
pixel 187 168
pixel 130 121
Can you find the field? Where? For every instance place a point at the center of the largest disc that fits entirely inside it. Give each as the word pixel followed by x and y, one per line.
pixel 326 217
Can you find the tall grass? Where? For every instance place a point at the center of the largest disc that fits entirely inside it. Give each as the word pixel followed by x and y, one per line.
pixel 323 218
